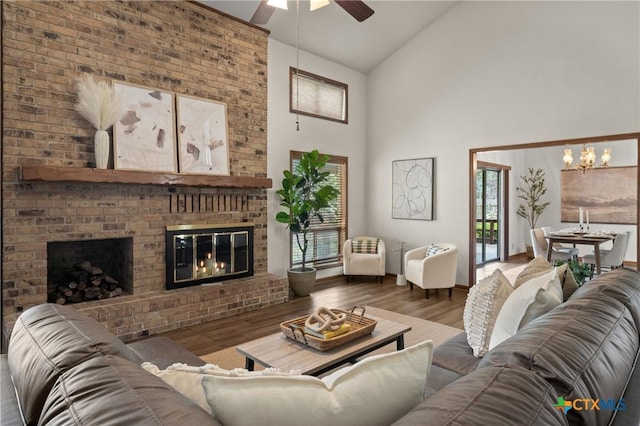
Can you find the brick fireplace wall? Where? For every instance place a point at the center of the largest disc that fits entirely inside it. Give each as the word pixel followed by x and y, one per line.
pixel 175 46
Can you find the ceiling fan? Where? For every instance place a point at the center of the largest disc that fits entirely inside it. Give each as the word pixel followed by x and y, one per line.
pixel 355 8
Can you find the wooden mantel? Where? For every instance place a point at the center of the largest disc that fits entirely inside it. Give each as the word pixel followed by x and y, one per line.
pixel 85 174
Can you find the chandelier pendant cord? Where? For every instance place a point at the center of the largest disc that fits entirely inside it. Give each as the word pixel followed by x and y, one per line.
pixel 297 64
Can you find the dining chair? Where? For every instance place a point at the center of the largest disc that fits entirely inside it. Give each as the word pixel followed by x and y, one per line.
pixel 613 258
pixel 540 246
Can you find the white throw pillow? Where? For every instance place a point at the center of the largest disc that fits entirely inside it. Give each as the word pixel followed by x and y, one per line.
pixel 481 310
pixel 187 379
pixel 532 299
pixel 376 391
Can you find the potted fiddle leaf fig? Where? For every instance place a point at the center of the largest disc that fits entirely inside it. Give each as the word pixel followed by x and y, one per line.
pixel 530 192
pixel 305 193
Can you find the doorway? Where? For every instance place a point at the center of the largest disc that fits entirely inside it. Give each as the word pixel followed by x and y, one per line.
pixel 490 196
pixel 474 165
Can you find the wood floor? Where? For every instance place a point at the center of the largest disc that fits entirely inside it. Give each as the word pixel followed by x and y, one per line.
pixel 335 293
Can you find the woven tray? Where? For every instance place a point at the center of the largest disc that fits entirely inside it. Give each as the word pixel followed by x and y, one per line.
pixel 360 326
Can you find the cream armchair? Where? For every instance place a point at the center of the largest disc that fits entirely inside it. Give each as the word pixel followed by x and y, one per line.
pixel 364 256
pixel 432 266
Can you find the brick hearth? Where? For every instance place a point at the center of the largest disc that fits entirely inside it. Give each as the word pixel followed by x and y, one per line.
pixel 174 46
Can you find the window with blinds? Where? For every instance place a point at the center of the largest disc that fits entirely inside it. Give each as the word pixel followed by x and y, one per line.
pixel 317 96
pixel 327 238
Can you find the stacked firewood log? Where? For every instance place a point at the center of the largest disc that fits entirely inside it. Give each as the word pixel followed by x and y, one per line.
pixel 85 282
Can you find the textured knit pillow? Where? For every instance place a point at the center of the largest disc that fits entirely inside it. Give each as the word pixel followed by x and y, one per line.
pixel 532 270
pixel 532 299
pixel 481 310
pixel 433 249
pixel 378 390
pixel 366 246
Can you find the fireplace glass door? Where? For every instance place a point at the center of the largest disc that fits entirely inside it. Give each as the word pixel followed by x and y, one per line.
pixel 196 256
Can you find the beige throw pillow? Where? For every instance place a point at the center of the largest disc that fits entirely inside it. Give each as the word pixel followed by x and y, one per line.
pixel 532 299
pixel 187 379
pixel 540 266
pixel 568 281
pixel 481 310
pixel 375 391
pixel 533 269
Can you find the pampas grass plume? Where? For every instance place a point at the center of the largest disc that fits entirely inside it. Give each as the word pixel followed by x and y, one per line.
pixel 97 102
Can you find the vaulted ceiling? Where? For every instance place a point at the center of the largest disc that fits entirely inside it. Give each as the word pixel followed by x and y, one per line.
pixel 331 33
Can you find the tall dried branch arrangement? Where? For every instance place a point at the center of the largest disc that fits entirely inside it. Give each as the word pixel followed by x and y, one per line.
pixel 97 102
pixel 531 192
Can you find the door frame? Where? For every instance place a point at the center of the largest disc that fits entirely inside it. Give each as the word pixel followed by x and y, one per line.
pixel 503 225
pixel 473 166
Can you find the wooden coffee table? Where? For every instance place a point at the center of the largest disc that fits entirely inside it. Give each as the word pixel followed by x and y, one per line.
pixel 276 350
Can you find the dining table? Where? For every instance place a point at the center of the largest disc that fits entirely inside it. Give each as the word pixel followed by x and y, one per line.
pixel 579 238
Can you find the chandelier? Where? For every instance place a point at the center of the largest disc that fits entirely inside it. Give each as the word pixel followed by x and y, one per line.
pixel 587 158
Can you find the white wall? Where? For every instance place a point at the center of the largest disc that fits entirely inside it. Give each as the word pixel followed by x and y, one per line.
pixel 495 73
pixel 328 137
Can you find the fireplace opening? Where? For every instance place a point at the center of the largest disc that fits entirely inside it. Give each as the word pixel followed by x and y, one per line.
pixel 201 254
pixel 83 270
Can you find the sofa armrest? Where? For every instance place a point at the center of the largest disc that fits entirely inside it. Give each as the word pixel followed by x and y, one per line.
pixel 416 253
pixel 9 406
pixel 163 352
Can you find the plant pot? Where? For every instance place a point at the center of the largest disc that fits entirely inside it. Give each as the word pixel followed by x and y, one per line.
pixel 301 281
pixel 101 148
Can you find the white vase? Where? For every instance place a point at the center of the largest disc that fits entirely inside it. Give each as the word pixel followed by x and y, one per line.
pixel 101 148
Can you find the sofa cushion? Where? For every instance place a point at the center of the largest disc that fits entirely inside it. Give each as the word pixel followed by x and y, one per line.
pixel 46 341
pixel 527 302
pixel 620 284
pixel 364 246
pixel 110 390
pixel 375 391
pixel 585 348
pixel 481 310
pixel 456 355
pixel 490 396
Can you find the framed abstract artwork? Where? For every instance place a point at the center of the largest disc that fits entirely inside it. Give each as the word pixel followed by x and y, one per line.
pixel 413 189
pixel 144 136
pixel 203 145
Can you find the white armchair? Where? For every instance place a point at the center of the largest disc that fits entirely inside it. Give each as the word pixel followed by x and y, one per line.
pixel 432 266
pixel 364 256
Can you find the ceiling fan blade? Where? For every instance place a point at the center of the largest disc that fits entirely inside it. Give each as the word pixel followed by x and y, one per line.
pixel 262 14
pixel 356 8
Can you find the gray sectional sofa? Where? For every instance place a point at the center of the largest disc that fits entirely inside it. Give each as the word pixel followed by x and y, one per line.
pixel 64 368
pixel 583 351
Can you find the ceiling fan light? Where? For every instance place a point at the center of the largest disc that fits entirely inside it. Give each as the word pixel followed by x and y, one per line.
pixel 280 4
pixel 317 4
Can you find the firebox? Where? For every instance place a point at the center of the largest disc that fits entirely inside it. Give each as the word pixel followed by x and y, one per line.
pixel 201 254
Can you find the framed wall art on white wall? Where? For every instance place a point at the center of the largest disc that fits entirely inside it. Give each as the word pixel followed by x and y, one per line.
pixel 412 192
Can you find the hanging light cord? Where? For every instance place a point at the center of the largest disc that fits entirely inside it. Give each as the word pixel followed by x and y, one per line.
pixel 297 64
